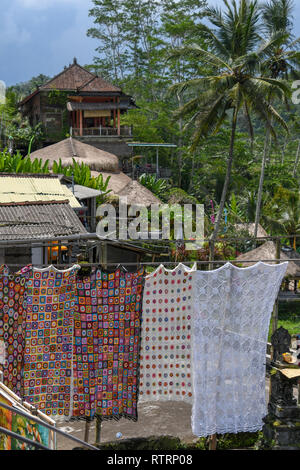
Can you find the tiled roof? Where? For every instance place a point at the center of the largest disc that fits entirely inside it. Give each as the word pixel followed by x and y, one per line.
pixel 71 78
pixel 38 220
pixel 98 84
pixel 76 78
pixel 21 187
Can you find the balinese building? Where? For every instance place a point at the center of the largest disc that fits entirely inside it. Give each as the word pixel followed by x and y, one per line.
pixel 79 103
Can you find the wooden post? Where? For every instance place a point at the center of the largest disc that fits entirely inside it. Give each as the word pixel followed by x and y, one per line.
pixel 115 114
pixel 119 122
pixel 87 431
pixel 275 310
pixel 81 122
pixel 98 431
pixel 211 254
pixel 212 442
pixel 59 258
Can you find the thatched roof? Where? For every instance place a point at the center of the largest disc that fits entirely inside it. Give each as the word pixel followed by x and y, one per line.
pixel 70 148
pixel 261 233
pixel 122 185
pixel 267 253
pixel 136 193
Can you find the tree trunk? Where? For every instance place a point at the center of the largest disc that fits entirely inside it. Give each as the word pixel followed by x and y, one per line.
pixel 192 172
pixel 297 159
pixel 284 149
pixel 261 181
pixel 179 154
pixel 226 182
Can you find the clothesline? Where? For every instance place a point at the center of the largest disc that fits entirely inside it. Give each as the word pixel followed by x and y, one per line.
pixel 168 263
pixel 95 237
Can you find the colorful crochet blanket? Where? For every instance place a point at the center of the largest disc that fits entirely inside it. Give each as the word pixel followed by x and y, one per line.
pixel 107 342
pixel 13 302
pixel 49 340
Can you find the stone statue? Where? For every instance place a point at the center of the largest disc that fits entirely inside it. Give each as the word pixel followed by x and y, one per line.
pixel 281 342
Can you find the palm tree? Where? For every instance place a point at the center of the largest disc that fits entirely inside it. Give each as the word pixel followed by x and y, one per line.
pixel 283 60
pixel 236 81
pixel 286 217
pixel 290 217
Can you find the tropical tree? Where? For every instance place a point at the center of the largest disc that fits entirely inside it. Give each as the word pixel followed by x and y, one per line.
pixel 282 60
pixel 286 217
pixel 236 58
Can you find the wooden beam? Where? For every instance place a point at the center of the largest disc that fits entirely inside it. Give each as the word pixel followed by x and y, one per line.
pixel 81 122
pixel 115 116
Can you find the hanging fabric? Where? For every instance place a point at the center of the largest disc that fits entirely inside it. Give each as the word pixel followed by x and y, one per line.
pixel 166 352
pixel 13 303
pixel 107 342
pixel 232 310
pixel 4 269
pixel 49 340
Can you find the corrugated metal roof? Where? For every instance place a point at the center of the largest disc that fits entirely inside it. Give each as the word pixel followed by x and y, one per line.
pixel 20 189
pixel 83 192
pixel 35 220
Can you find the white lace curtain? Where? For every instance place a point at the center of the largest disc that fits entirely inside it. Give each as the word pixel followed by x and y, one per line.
pixel 232 310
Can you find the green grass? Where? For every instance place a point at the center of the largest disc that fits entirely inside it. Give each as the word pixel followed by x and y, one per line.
pixel 288 318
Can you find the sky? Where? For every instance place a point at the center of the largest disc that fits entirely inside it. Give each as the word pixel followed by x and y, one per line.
pixel 42 36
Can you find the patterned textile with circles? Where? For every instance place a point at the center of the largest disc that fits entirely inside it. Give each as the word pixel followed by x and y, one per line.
pixel 49 340
pixel 107 342
pixel 13 303
pixel 166 338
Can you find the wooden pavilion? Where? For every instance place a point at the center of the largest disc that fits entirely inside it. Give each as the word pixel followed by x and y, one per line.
pixel 79 101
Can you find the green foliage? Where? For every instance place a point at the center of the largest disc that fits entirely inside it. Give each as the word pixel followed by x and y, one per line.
pixel 26 88
pixel 58 98
pixel 82 175
pixel 13 127
pixel 17 164
pixel 179 196
pixel 243 440
pixel 156 186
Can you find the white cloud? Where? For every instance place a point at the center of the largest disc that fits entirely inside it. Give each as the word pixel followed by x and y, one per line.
pixel 44 4
pixel 11 32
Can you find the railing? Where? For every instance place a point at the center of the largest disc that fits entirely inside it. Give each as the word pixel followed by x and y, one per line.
pixel 138 170
pixel 125 131
pixel 35 419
